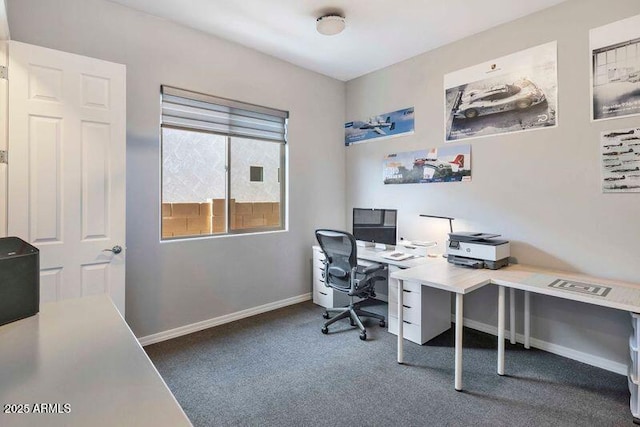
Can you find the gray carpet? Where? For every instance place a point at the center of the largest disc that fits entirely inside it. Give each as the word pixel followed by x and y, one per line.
pixel 277 369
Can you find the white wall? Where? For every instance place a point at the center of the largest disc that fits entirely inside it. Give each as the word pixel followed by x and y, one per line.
pixel 540 189
pixel 178 283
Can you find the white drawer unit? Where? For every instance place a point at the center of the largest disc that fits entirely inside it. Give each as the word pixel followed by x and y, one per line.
pixel 324 295
pixel 634 368
pixel 411 306
pixel 633 402
pixel 410 331
pixel 426 311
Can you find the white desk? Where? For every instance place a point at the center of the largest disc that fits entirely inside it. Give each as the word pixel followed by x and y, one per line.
pixel 442 275
pixel 617 294
pixel 572 286
pixel 427 313
pixel 80 352
pixel 375 255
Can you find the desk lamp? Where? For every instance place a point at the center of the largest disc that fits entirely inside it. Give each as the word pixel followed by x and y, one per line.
pixel 441 217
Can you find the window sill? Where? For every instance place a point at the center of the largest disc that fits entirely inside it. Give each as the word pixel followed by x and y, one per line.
pixel 220 236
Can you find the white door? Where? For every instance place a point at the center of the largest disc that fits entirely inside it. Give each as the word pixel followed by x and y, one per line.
pixel 66 171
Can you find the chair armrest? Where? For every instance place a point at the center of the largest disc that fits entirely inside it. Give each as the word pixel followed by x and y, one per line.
pixel 372 268
pixel 363 279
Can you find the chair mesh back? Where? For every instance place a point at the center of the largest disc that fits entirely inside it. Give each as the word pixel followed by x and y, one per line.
pixel 340 249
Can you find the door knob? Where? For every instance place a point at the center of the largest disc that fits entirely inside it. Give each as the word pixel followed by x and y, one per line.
pixel 116 249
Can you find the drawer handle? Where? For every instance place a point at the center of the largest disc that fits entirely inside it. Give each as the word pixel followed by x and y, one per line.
pixel 322 293
pixel 404 290
pixel 406 306
pixel 408 323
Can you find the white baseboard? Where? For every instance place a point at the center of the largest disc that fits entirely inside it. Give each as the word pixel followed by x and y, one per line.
pixel 216 321
pixel 589 359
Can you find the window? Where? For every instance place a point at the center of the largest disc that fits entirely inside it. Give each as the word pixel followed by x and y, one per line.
pixel 221 166
pixel 256 174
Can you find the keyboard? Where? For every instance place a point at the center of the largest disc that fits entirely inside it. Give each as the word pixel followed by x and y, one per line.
pixel 396 255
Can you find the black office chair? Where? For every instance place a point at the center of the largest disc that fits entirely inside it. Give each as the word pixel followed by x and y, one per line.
pixel 342 273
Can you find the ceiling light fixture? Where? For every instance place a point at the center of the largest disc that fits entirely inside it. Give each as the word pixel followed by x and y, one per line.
pixel 330 25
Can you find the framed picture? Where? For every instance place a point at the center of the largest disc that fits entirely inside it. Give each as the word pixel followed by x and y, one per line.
pixel 615 69
pixel 387 125
pixel 515 93
pixel 444 164
pixel 620 155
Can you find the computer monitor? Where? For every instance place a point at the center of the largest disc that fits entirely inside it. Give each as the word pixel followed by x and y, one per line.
pixel 375 225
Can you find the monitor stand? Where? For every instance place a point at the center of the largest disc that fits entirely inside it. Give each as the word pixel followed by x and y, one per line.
pixel 381 247
pixel 364 244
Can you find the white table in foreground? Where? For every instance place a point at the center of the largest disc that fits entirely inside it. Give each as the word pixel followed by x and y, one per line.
pixel 442 275
pixel 81 353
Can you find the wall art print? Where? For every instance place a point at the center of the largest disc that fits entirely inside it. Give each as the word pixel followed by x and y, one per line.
pixel 515 93
pixel 385 125
pixel 444 164
pixel 620 155
pixel 615 69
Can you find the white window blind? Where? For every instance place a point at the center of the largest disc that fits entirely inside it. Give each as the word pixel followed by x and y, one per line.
pixel 191 110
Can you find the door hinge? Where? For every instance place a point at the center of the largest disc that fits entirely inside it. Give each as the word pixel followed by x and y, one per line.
pixel 4 157
pixel 4 73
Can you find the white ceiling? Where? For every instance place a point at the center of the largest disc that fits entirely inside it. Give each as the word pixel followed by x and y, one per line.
pixel 379 32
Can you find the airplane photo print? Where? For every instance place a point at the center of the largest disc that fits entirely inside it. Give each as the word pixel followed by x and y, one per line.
pixel 396 123
pixel 515 93
pixel 620 154
pixel 444 164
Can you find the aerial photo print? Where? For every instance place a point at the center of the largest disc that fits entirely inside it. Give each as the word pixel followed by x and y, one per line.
pixel 444 164
pixel 387 125
pixel 515 93
pixel 615 69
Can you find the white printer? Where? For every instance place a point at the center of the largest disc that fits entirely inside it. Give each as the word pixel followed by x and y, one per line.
pixel 478 250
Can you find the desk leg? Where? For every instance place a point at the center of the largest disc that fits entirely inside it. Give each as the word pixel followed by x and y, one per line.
pixel 501 330
pixel 400 322
pixel 512 314
pixel 458 348
pixel 527 318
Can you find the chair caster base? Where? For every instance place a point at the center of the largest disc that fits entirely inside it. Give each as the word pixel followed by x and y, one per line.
pixel 325 314
pixel 382 324
pixel 325 330
pixel 363 335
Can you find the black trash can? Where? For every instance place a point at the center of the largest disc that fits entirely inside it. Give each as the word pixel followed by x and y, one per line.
pixel 19 279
